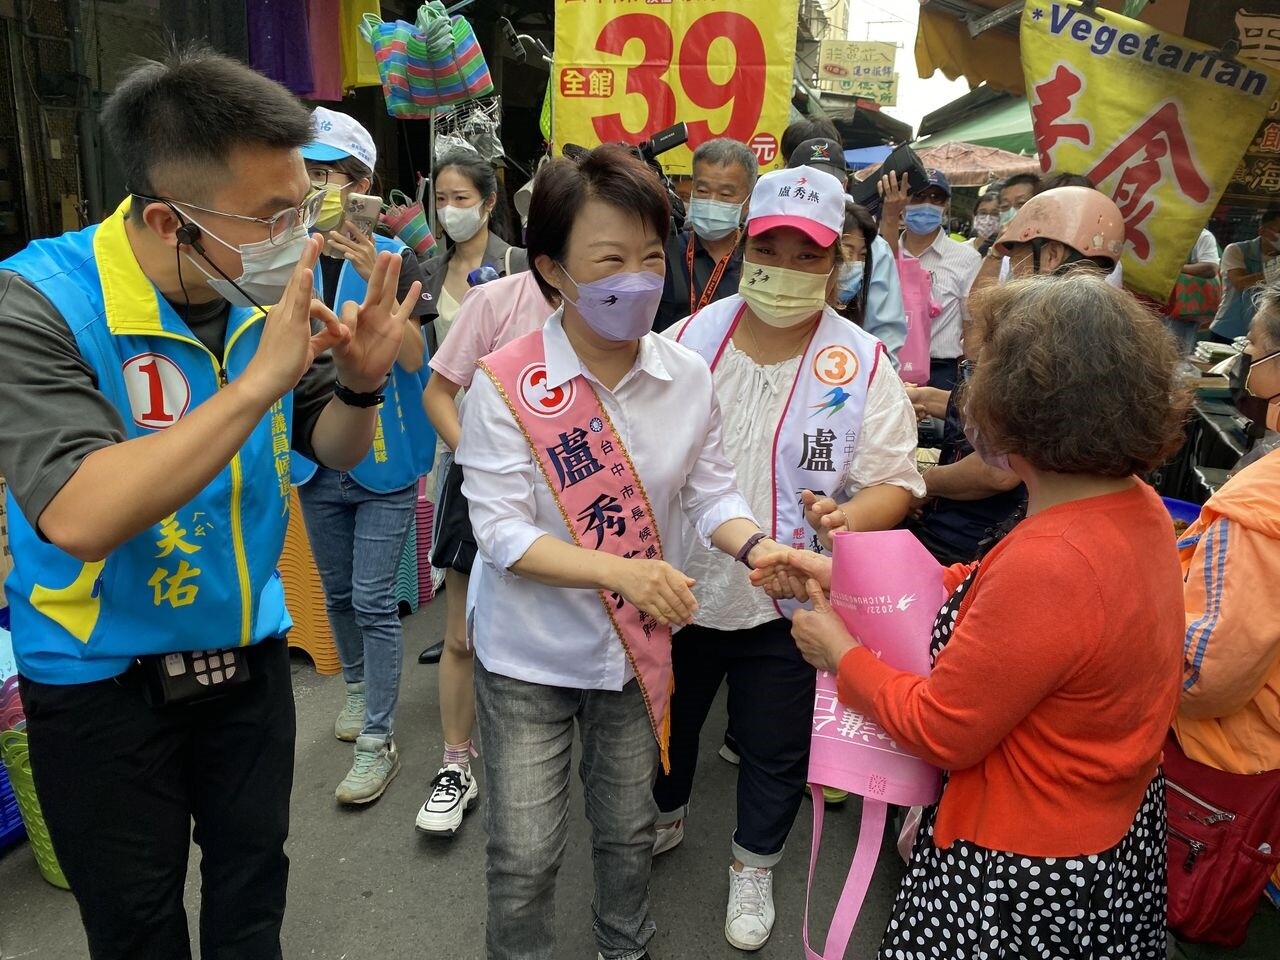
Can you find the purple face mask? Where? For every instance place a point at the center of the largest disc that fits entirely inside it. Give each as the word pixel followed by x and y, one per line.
pixel 1000 461
pixel 620 307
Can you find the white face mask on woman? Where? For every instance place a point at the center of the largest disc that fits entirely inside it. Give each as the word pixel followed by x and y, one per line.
pixel 463 223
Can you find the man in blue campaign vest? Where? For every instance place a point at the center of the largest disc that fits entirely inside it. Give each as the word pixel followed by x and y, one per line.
pixel 150 406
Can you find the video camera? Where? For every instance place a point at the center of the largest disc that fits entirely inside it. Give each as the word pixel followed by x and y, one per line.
pixel 649 151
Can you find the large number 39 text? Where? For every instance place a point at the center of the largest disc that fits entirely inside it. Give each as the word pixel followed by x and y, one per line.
pixel 744 88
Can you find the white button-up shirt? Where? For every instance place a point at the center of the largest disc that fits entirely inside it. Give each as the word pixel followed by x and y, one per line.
pixel 952 267
pixel 755 398
pixel 666 414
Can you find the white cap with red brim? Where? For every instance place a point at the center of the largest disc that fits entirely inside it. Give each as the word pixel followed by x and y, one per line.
pixel 802 198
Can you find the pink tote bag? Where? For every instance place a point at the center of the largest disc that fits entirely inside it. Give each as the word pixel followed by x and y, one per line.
pixel 921 308
pixel 887 589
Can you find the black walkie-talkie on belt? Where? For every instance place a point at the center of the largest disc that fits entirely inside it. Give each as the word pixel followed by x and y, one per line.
pixel 189 676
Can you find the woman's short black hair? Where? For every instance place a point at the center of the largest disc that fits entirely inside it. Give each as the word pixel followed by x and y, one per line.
pixel 857 219
pixel 611 174
pixel 807 129
pixel 173 124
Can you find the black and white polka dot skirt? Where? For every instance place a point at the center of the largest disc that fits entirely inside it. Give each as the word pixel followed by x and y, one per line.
pixel 978 904
pixel 967 901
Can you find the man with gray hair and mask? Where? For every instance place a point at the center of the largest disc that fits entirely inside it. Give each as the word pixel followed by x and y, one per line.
pixel 704 262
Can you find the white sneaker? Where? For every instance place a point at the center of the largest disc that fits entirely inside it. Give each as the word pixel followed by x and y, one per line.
pixel 668 836
pixel 376 764
pixel 453 793
pixel 749 919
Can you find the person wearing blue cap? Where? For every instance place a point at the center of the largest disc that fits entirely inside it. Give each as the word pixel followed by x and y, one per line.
pixel 952 265
pixel 358 520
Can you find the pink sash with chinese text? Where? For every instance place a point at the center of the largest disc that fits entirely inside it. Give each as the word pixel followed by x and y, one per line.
pixel 817 434
pixel 601 499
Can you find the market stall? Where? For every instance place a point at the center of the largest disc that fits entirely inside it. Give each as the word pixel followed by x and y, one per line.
pixel 971 165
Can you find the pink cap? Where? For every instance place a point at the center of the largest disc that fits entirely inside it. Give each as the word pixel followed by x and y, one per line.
pixel 803 198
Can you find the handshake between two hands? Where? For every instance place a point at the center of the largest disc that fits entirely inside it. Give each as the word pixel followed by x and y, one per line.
pixel 803 575
pixel 782 572
pixel 785 573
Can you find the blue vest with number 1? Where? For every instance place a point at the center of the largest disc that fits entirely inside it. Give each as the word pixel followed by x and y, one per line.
pixel 404 442
pixel 202 578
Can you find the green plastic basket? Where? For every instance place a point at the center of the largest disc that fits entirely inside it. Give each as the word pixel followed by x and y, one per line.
pixel 17 762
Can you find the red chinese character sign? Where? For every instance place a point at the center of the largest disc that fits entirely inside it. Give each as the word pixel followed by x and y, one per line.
pixel 1256 27
pixel 1157 121
pixel 625 70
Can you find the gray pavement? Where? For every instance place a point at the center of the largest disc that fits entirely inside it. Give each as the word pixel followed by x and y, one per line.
pixel 365 885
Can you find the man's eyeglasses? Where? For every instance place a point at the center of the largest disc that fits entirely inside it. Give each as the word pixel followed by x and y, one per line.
pixel 279 226
pixel 967 367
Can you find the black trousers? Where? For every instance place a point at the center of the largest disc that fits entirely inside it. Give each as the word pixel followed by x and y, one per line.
pixel 944 552
pixel 771 692
pixel 120 783
pixel 943 374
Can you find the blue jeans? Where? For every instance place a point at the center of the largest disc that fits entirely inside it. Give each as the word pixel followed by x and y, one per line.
pixel 358 537
pixel 527 732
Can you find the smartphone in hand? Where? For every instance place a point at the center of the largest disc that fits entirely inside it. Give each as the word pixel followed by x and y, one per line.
pixel 362 211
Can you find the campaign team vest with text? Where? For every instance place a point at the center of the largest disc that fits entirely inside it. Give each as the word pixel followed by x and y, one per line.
pixel 601 497
pixel 205 576
pixel 817 435
pixel 404 442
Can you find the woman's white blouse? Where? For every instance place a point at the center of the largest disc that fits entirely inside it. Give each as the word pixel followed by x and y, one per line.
pixel 666 414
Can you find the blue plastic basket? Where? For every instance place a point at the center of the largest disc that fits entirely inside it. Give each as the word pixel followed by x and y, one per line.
pixel 1182 510
pixel 11 828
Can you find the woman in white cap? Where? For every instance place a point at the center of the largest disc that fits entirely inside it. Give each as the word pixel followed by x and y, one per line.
pixel 812 409
pixel 357 521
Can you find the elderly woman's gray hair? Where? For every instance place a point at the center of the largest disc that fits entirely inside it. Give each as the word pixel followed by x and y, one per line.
pixel 1268 313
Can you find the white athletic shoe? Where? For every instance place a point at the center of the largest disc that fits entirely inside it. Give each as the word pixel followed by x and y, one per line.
pixel 668 836
pixel 453 793
pixel 749 919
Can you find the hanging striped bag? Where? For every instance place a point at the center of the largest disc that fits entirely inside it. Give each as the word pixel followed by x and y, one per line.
pixel 434 62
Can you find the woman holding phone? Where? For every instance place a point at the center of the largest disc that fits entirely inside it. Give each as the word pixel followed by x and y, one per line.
pixel 357 521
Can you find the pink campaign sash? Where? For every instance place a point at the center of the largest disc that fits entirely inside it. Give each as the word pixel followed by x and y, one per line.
pixel 600 495
pixel 817 434
pixel 887 589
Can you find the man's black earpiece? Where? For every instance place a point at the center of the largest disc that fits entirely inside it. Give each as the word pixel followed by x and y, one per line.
pixel 189 234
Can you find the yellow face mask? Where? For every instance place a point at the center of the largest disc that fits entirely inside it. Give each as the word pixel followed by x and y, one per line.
pixel 332 210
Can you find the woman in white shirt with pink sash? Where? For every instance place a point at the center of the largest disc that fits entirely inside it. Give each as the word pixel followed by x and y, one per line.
pixel 822 436
pixel 586 448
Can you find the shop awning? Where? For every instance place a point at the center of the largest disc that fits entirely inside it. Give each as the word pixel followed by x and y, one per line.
pixel 969 165
pixel 1006 124
pixel 978 39
pixel 866 157
pixel 943 42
